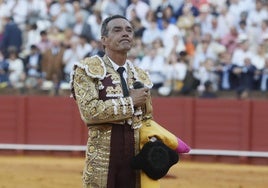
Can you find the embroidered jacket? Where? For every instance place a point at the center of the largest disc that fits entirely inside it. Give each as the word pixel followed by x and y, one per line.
pixel 96 87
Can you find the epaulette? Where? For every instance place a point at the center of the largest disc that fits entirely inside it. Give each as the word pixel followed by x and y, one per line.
pixel 94 67
pixel 143 77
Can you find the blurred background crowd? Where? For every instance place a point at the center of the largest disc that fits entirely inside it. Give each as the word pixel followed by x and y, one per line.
pixel 188 47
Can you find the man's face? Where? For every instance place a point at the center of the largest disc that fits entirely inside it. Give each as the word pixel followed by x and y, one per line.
pixel 120 35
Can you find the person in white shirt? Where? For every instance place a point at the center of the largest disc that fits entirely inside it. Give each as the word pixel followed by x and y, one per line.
pixel 154 63
pixel 62 14
pixel 16 69
pixel 140 7
pixel 151 33
pixel 170 35
pixel 242 50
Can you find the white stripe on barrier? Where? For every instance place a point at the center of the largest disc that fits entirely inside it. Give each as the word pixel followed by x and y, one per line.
pixel 228 153
pixel 42 147
pixel 83 148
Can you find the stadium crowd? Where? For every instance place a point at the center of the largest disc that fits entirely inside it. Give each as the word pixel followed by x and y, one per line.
pixel 200 46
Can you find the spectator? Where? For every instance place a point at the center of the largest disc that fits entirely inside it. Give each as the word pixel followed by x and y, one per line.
pixel 160 9
pixel 33 37
pixel 242 50
pixel 4 67
pixel 32 65
pixel 61 13
pixel 81 27
pixel 227 79
pixel 94 20
pixel 112 7
pixel 96 49
pixel 18 10
pixel 168 15
pixel 52 62
pixel 139 7
pixel 264 77
pixel 230 40
pixel 70 57
pixel 206 72
pixel 203 52
pixel 188 5
pixel 175 70
pixel 37 12
pixel 12 37
pixel 16 69
pixel 246 74
pixel 138 27
pixel 186 21
pixel 153 63
pixel 151 33
pixel 171 32
pixel 44 44
pixel 204 18
pixel 208 93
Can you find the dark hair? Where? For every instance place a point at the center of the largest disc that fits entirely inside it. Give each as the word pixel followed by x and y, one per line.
pixel 104 29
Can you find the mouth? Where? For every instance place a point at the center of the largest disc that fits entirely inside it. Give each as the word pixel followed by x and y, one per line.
pixel 125 40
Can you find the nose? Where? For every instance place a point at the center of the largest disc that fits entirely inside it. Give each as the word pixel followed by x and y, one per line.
pixel 125 33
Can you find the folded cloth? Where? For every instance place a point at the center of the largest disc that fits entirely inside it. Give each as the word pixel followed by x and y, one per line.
pixel 149 130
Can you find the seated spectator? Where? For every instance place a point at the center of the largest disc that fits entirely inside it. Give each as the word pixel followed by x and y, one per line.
pixel 44 44
pixel 175 70
pixel 138 27
pixel 227 79
pixel 71 56
pixel 3 72
pixel 170 35
pixel 81 27
pixel 151 33
pixel 189 5
pixel 246 75
pixel 112 7
pixel 52 64
pixel 242 51
pixel 61 13
pixel 16 69
pixel 153 63
pixel 264 77
pixel 94 21
pixel 168 15
pixel 139 7
pixel 230 39
pixel 96 49
pixel 32 64
pixel 186 21
pixel 205 73
pixel 33 37
pixel 209 92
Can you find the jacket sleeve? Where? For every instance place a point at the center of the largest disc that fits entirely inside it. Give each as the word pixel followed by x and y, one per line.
pixel 92 109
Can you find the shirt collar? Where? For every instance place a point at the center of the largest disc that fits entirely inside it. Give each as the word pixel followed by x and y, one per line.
pixel 115 66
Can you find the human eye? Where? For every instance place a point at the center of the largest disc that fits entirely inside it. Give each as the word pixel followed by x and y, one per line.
pixel 117 29
pixel 130 30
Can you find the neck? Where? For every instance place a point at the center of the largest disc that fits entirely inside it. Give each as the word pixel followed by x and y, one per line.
pixel 118 58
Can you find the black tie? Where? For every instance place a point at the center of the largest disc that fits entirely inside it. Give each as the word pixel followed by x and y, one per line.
pixel 121 70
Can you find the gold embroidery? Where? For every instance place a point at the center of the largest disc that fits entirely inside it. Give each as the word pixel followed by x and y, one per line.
pixel 95 66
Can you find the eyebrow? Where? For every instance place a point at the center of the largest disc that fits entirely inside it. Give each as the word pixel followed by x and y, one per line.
pixel 121 27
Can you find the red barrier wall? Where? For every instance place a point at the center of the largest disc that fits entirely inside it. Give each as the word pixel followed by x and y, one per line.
pixel 203 123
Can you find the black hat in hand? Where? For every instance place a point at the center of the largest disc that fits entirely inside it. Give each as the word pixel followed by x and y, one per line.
pixel 155 159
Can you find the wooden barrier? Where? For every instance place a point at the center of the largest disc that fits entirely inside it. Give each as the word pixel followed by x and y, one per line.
pixel 214 124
